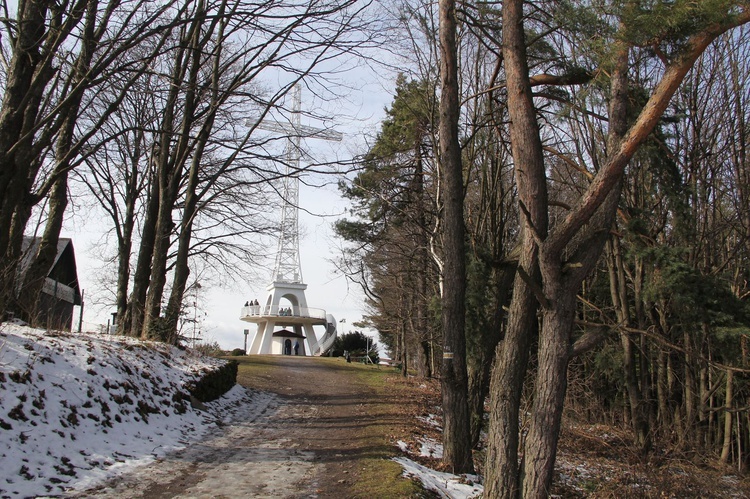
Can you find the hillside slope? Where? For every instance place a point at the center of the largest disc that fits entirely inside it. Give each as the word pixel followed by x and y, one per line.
pixel 78 408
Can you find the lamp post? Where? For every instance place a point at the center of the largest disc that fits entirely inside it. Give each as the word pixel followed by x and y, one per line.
pixel 196 287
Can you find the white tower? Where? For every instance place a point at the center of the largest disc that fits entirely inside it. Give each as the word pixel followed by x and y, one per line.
pixel 297 336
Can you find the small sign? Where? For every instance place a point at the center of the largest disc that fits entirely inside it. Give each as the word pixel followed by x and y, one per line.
pixel 447 355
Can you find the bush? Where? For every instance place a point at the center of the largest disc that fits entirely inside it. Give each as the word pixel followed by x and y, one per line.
pixel 237 352
pixel 356 344
pixel 210 349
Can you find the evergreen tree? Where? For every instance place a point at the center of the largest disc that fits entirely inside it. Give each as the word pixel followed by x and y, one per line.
pixel 394 207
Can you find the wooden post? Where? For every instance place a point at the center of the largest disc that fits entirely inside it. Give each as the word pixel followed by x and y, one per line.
pixel 80 316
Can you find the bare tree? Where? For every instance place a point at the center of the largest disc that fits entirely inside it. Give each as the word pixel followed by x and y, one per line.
pixel 57 54
pixel 218 63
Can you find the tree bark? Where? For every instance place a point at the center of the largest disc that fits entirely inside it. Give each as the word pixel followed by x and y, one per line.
pixel 456 440
pixel 727 447
pixel 125 243
pixel 132 323
pixel 510 370
pixel 549 392
pixel 506 384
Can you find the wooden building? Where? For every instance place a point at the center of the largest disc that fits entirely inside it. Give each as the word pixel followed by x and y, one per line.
pixel 60 291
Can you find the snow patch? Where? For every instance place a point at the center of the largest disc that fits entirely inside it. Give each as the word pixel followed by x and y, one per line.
pixel 403 446
pixel 444 484
pixel 431 420
pixel 430 448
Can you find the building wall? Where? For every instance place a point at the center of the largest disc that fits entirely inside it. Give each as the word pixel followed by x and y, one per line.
pixel 54 313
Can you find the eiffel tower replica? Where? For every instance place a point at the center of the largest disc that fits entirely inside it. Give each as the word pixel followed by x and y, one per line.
pixel 296 336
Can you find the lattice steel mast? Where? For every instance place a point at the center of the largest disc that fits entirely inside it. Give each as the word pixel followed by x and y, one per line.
pixel 287 267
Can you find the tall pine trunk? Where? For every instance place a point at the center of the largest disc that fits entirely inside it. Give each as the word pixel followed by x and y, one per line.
pixel 506 384
pixel 456 440
pixel 510 370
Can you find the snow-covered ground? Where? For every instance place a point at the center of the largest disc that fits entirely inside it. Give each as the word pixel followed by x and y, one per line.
pixel 446 485
pixel 80 408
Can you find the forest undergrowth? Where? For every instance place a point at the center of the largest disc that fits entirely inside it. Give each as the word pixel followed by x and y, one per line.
pixel 601 460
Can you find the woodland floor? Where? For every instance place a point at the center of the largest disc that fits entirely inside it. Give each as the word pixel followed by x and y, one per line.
pixel 324 428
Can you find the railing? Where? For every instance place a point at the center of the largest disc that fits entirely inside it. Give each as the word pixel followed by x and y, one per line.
pixel 59 290
pixel 273 310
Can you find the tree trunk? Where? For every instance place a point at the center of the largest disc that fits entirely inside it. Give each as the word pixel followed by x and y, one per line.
pixel 58 196
pixel 21 97
pixel 512 357
pixel 568 253
pixel 663 391
pixel 404 353
pixel 424 331
pixel 618 291
pixel 181 268
pixel 689 390
pixel 456 441
pixel 179 282
pixel 41 28
pixel 23 93
pixel 549 393
pixel 172 160
pixel 124 248
pixel 727 447
pixel 125 234
pixel 480 372
pixel 132 323
pixel 506 384
pixel 158 276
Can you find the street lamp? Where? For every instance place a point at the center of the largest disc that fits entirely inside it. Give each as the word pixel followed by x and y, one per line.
pixel 196 287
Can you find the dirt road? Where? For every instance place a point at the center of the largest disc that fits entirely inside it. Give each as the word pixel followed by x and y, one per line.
pixel 310 431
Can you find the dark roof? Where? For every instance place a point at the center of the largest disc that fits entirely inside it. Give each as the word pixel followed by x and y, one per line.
pixel 285 333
